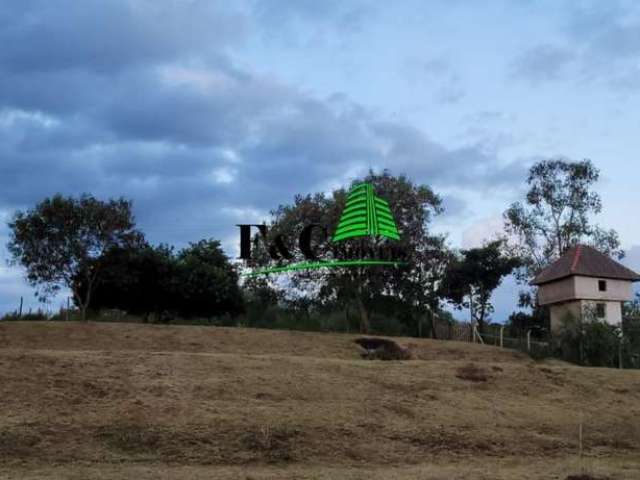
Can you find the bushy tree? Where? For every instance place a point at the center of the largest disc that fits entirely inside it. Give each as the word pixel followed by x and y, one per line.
pixel 471 279
pixel 419 283
pixel 207 282
pixel 61 239
pixel 137 278
pixel 199 281
pixel 519 323
pixel 555 215
pixel 632 309
pixel 587 340
pixel 413 207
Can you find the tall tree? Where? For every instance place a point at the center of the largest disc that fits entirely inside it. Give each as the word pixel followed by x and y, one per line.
pixel 207 281
pixel 471 279
pixel 137 278
pixel 413 207
pixel 61 238
pixel 555 215
pixel 420 281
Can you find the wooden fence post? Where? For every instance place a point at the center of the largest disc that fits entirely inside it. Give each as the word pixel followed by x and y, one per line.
pixel 502 336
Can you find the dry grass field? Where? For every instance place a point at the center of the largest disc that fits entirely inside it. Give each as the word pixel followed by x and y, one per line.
pixel 116 401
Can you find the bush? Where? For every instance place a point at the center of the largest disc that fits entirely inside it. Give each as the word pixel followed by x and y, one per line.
pixel 589 341
pixel 38 315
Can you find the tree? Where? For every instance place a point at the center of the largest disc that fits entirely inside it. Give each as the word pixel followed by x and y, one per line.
pixel 632 309
pixel 145 280
pixel 412 206
pixel 419 282
pixel 137 278
pixel 471 279
pixel 60 240
pixel 207 282
pixel 260 300
pixel 555 215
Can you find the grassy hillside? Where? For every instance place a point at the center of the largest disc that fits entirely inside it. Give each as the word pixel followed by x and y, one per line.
pixel 145 401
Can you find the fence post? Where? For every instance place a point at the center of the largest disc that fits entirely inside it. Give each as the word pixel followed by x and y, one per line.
pixel 20 310
pixel 476 335
pixel 528 340
pixel 620 353
pixel 502 336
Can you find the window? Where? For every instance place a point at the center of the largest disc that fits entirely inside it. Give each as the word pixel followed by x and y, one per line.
pixel 602 285
pixel 601 310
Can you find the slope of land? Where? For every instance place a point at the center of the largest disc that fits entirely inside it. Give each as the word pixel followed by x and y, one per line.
pixel 108 401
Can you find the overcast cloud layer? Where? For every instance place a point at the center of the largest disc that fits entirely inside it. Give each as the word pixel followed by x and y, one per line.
pixel 208 114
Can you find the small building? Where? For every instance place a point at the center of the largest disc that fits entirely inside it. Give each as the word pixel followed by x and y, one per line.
pixel 584 279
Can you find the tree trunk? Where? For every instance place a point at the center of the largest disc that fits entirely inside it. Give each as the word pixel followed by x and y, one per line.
pixel 434 333
pixel 346 316
pixel 85 304
pixel 82 305
pixel 364 316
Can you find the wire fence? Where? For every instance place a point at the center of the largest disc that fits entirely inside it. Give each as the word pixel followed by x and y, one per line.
pixel 605 345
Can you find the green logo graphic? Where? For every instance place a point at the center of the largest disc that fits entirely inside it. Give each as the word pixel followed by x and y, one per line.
pixel 366 215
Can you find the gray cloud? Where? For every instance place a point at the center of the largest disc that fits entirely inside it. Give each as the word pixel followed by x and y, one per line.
pixel 601 43
pixel 543 63
pixel 105 36
pixel 436 71
pixel 198 143
pixel 311 20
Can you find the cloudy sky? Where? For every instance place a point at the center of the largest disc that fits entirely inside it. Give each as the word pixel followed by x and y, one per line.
pixel 210 113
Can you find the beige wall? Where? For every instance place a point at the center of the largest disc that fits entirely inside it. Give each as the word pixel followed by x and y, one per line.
pixel 587 288
pixel 584 288
pixel 559 312
pixel 559 291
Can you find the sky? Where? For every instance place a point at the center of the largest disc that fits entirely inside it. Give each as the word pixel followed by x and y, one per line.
pixel 207 114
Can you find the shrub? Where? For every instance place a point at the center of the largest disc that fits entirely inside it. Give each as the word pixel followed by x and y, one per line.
pixel 38 315
pixel 589 341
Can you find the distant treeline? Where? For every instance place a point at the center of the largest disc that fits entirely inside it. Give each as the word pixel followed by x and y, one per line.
pixel 93 248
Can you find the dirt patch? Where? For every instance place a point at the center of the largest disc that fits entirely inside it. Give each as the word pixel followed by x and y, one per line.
pixel 197 445
pixel 472 373
pixel 130 438
pixel 586 476
pixel 16 443
pixel 382 349
pixel 273 444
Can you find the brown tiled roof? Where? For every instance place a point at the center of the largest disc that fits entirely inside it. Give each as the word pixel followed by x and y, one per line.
pixel 586 261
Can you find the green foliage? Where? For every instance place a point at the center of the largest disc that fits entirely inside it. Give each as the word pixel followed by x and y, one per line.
pixel 555 215
pixel 356 288
pixel 35 316
pixel 632 309
pixel 61 238
pixel 471 279
pixel 137 278
pixel 589 341
pixel 207 284
pixel 143 280
pixel 519 323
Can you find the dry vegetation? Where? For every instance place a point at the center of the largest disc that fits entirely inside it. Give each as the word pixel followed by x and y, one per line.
pixel 112 401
